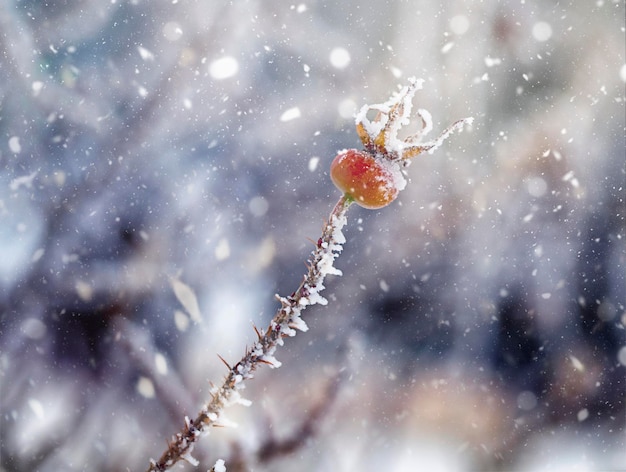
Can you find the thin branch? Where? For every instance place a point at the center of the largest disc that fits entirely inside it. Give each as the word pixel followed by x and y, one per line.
pixel 169 386
pixel 284 324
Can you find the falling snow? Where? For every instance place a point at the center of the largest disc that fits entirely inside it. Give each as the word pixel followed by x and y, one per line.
pixel 165 167
pixel 290 114
pixel 339 58
pixel 14 145
pixel 224 68
pixel 187 298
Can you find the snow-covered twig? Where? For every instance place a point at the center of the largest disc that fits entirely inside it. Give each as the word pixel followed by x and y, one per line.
pixel 285 323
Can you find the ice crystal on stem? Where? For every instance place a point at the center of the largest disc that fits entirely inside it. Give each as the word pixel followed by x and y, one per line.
pixel 371 178
pixel 285 323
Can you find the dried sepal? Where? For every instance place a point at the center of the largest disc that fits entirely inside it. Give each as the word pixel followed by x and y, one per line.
pixel 380 135
pixel 373 177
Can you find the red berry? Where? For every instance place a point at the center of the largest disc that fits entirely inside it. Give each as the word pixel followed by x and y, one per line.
pixel 371 182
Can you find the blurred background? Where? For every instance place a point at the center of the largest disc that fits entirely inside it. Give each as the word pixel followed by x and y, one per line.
pixel 164 168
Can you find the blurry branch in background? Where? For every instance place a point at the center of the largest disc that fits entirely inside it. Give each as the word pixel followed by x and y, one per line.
pixel 273 447
pixel 371 178
pixel 168 386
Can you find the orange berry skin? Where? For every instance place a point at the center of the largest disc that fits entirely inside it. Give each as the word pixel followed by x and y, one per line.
pixel 363 178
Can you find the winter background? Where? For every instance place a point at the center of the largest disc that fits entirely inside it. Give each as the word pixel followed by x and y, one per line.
pixel 157 153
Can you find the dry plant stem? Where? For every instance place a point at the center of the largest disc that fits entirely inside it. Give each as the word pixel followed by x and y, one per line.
pixel 285 323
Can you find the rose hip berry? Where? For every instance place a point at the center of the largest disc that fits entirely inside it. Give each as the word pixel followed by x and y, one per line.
pixel 373 177
pixel 364 178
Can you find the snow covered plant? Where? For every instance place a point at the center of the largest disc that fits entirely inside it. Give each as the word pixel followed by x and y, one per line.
pixel 372 178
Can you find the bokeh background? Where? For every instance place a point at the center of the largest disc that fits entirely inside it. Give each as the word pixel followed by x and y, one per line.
pixel 154 153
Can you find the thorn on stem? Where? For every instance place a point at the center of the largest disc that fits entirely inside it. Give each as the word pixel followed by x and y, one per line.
pixel 225 363
pixel 258 333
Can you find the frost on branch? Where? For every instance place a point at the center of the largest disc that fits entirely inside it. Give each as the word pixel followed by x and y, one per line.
pixel 286 322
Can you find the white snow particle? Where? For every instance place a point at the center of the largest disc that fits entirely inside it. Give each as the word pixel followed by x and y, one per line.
pixel 145 387
pixel 84 291
pixel 459 24
pixel 34 328
pixel 222 250
pixel 536 186
pixel 187 299
pixel 290 114
pixel 14 145
pixel 224 68
pixel 396 72
pixel 447 47
pixel 542 31
pixel 621 356
pixel 492 61
pixel 346 108
pixel 258 206
pixel 36 407
pixel 38 254
pixel 579 366
pixel 313 163
pixel 37 86
pixel 181 320
pixel 339 58
pixel 161 363
pixel 172 31
pixel 145 54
